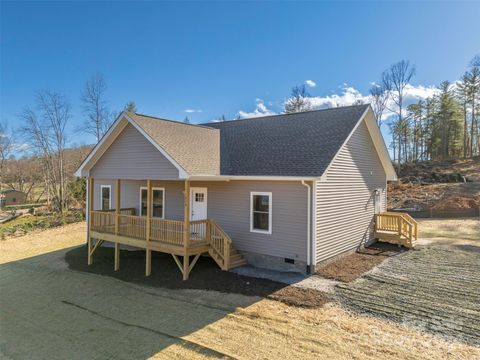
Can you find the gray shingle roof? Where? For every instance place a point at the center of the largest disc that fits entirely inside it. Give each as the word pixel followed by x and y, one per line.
pixel 300 144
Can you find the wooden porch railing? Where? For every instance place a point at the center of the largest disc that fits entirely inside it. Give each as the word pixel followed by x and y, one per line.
pixel 123 211
pixel 169 232
pixel 396 227
pixel 132 226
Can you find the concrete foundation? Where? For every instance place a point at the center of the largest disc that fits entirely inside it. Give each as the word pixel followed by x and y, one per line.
pixel 274 263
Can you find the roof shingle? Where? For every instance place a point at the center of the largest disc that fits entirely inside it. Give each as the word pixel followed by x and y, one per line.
pixel 300 144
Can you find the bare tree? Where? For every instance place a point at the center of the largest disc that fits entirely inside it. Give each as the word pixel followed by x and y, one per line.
pixel 6 148
pixel 395 79
pixel 98 118
pixel 23 174
pixel 47 136
pixel 378 98
pixel 298 100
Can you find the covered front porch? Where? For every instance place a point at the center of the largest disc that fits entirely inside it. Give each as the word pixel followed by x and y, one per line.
pixel 183 239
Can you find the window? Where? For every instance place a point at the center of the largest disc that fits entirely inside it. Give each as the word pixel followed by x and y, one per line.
pixel 199 197
pixel 261 212
pixel 158 202
pixel 106 197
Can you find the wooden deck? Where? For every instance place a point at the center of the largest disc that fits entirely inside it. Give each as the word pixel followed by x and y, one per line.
pixel 165 235
pixel 179 238
pixel 396 228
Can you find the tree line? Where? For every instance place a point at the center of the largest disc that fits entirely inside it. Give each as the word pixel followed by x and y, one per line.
pixel 50 163
pixel 443 126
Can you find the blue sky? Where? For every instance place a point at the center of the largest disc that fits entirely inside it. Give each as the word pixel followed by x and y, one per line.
pixel 223 57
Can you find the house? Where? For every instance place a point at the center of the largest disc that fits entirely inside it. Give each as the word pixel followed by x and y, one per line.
pixel 284 192
pixel 12 197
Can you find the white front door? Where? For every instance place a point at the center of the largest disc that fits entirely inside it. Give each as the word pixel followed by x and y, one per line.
pixel 198 204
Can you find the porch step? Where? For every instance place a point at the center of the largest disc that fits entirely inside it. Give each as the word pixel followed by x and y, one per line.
pixel 238 263
pixel 236 258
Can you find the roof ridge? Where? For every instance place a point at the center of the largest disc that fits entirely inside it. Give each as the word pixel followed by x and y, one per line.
pixel 284 114
pixel 175 121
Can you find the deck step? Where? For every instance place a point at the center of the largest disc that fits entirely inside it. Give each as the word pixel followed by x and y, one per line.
pixel 238 263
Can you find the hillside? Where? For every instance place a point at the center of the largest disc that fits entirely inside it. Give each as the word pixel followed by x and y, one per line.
pixel 441 185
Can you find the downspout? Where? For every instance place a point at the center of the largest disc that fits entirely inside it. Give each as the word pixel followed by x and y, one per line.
pixel 309 227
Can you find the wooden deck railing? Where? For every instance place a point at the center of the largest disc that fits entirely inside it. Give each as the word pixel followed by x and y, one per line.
pixel 396 227
pixel 102 221
pixel 123 211
pixel 166 231
pixel 132 226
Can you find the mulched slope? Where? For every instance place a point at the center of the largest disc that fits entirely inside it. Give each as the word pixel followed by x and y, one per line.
pixel 351 267
pixel 435 288
pixel 206 275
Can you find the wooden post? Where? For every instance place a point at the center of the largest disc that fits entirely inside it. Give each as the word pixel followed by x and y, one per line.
pixel 117 205
pixel 186 230
pixel 90 218
pixel 117 256
pixel 148 264
pixel 399 225
pixel 117 223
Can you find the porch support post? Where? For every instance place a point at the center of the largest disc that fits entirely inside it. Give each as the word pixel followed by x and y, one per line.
pixel 117 223
pixel 148 264
pixel 90 218
pixel 186 230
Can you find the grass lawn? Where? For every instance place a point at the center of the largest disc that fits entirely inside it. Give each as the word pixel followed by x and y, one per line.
pixel 27 223
pixel 468 229
pixel 86 315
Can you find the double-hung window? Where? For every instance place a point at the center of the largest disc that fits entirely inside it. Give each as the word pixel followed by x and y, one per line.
pixel 158 202
pixel 106 192
pixel 261 212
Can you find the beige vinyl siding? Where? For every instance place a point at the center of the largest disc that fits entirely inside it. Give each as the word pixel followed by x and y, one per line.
pixel 130 195
pixel 131 156
pixel 229 205
pixel 345 200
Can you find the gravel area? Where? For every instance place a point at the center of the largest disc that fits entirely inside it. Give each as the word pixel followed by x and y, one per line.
pixel 314 282
pixel 435 288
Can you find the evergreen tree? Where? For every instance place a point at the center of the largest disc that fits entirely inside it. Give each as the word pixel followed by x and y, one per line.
pixel 130 107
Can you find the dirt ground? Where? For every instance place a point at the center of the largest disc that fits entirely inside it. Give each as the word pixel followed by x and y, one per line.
pixel 438 185
pixel 351 267
pixel 48 311
pixel 167 275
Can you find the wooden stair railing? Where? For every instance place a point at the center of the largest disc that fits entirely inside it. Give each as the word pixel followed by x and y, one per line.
pixel 395 227
pixel 220 244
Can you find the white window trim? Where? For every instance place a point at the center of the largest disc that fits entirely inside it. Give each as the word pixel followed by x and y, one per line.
pixel 109 197
pixel 163 200
pixel 270 210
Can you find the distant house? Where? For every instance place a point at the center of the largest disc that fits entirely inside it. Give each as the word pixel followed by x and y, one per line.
pixel 12 197
pixel 284 192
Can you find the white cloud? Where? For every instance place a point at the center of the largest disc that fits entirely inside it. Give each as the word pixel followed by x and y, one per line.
pixel 310 83
pixel 260 110
pixel 193 111
pixel 349 96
